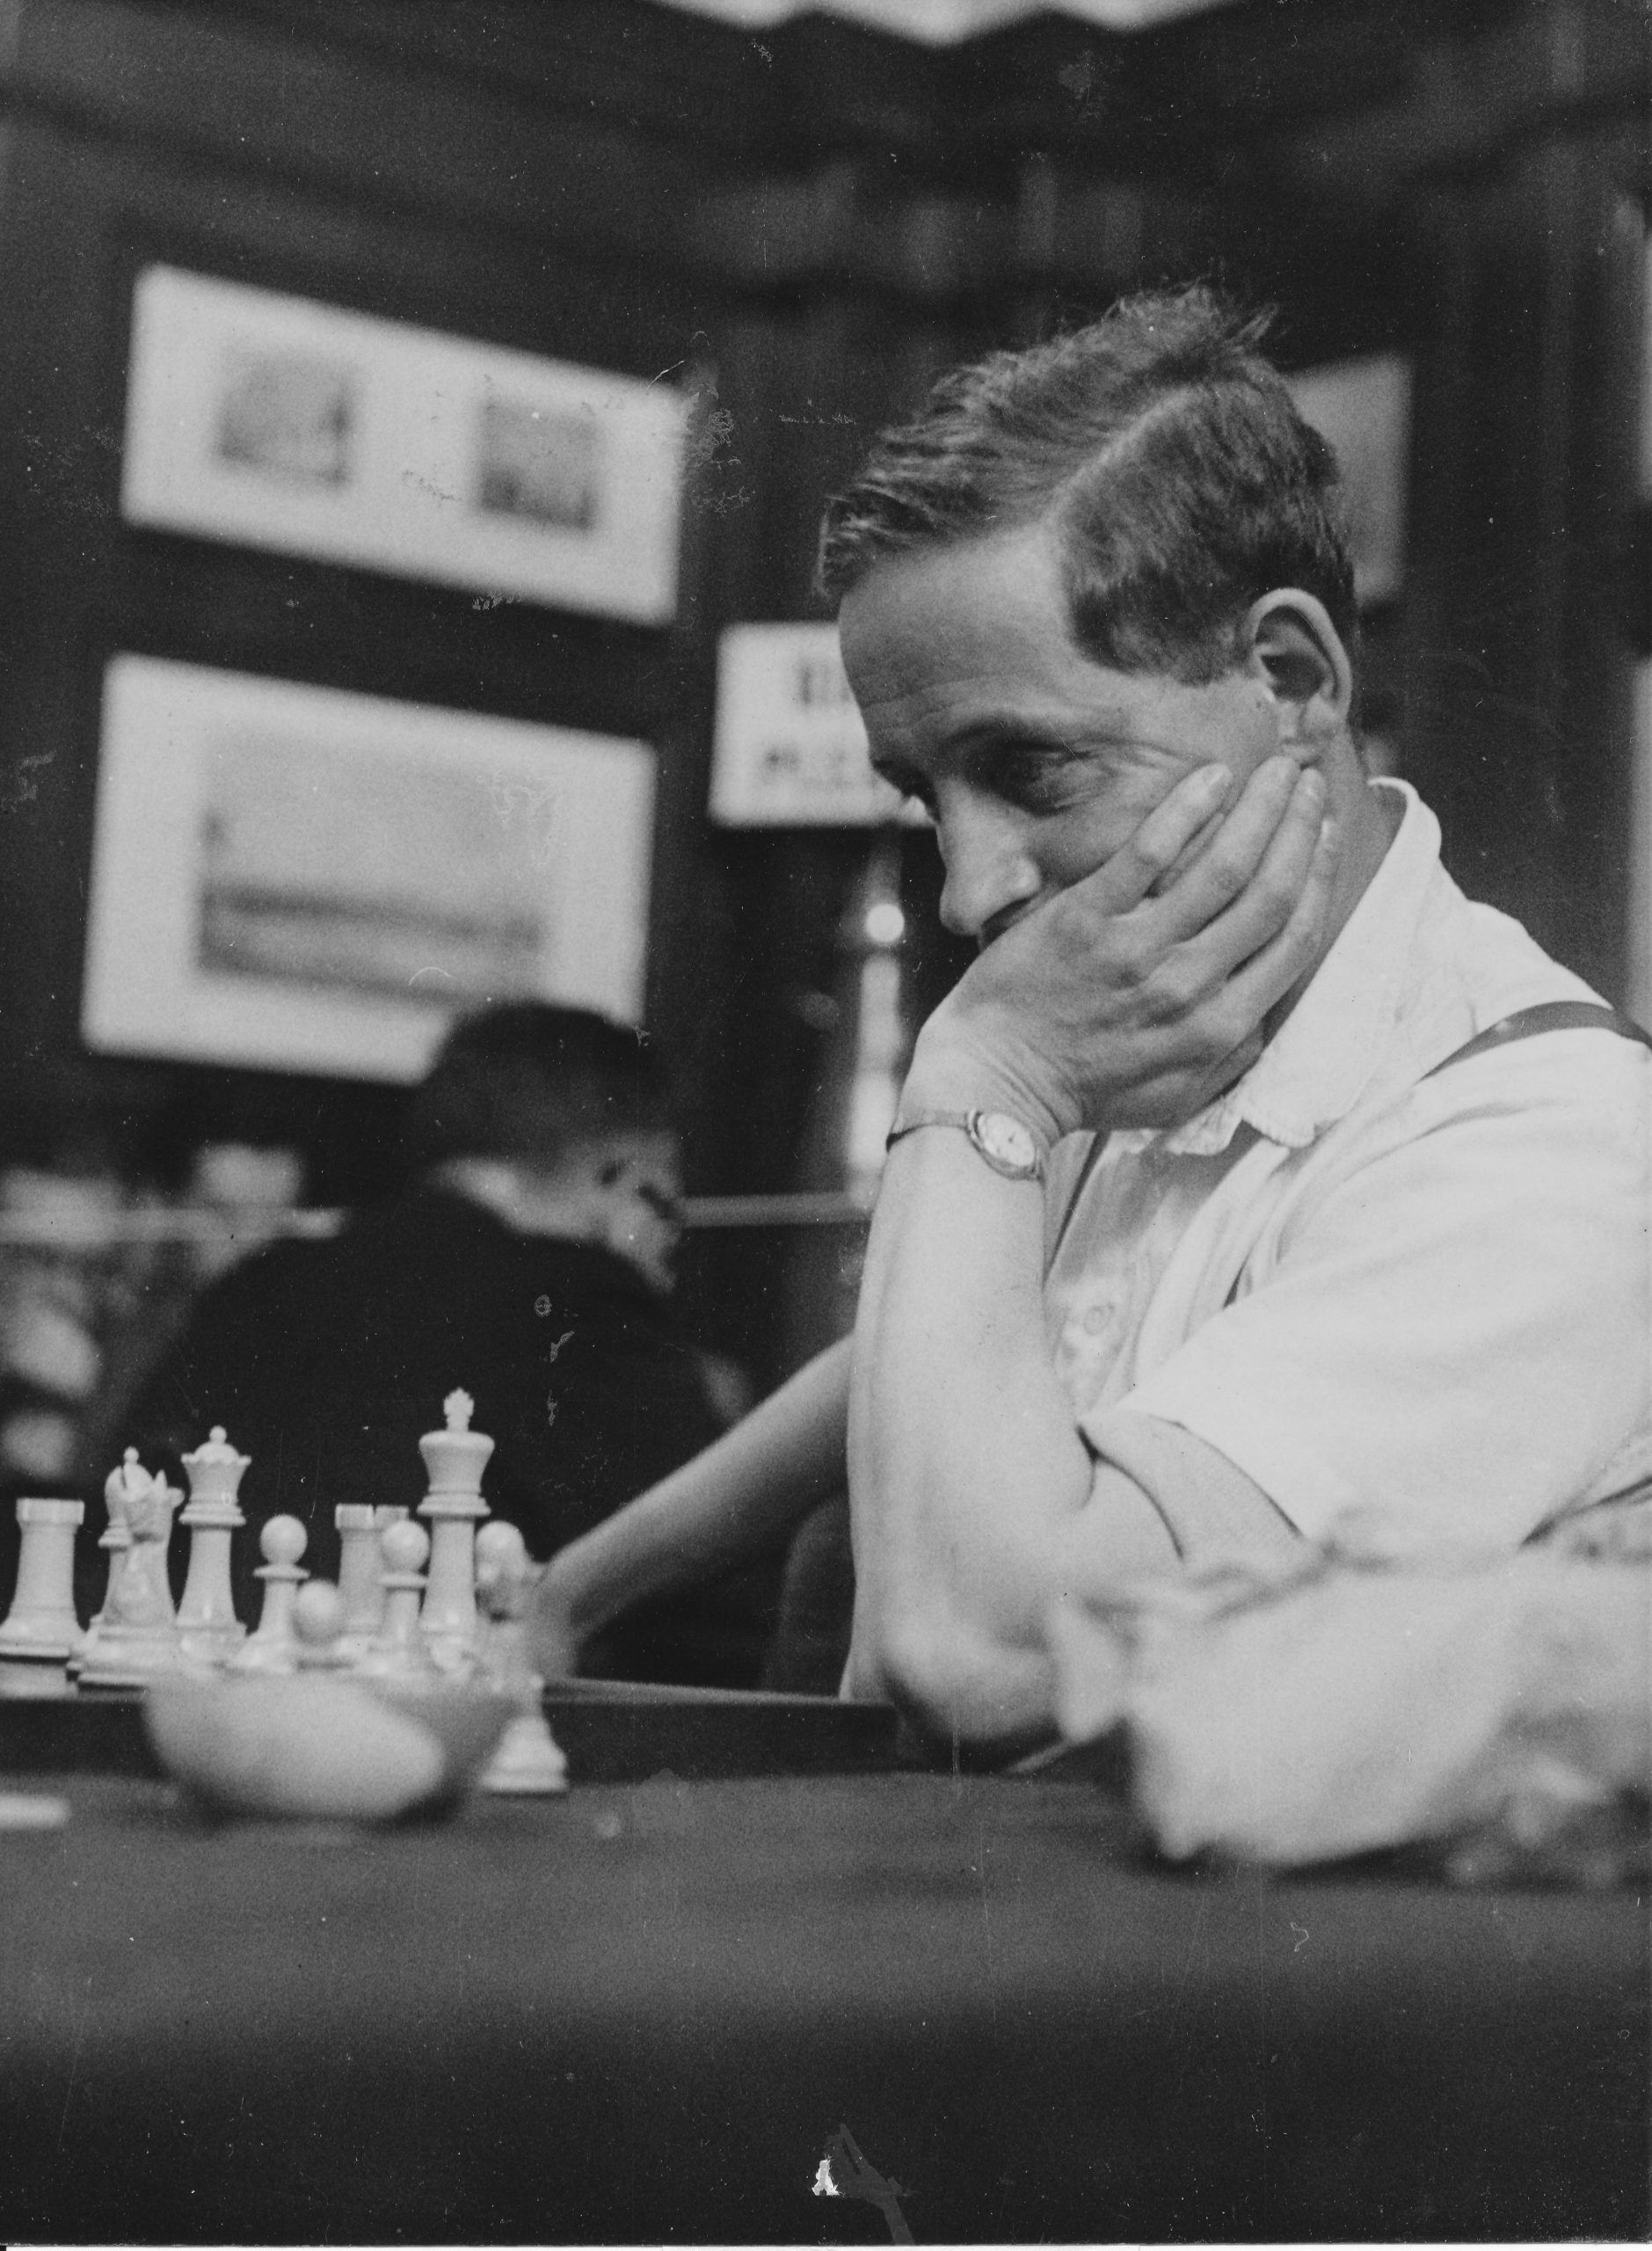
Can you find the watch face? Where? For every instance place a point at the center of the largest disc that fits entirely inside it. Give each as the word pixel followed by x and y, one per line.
pixel 1007 1141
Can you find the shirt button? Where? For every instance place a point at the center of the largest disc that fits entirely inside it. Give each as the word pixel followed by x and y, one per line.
pixel 1097 1319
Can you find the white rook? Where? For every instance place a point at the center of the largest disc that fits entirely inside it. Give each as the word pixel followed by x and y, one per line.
pixel 41 1623
pixel 360 1584
pixel 454 1458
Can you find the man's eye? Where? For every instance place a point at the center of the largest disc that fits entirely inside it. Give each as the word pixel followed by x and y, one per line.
pixel 1036 776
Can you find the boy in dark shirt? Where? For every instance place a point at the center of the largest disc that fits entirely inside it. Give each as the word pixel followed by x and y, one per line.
pixel 530 1261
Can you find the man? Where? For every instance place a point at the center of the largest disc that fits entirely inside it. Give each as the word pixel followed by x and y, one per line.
pixel 1193 1237
pixel 530 1261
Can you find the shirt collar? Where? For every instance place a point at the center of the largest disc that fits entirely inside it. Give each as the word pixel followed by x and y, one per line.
pixel 1313 1069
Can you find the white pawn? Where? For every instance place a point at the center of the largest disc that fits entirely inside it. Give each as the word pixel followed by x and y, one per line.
pixel 398 1651
pixel 528 1761
pixel 41 1623
pixel 317 1622
pixel 274 1648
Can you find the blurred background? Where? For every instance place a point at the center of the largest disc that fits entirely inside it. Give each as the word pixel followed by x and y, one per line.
pixel 336 334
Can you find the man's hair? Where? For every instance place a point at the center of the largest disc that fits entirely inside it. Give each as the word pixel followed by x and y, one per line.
pixel 1182 481
pixel 529 1081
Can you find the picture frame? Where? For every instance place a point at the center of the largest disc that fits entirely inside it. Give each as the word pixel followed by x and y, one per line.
pixel 299 879
pixel 273 421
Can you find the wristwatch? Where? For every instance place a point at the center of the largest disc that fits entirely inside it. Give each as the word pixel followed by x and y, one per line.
pixel 1007 1145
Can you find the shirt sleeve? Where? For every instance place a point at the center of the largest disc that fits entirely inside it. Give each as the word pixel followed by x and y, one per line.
pixel 1453 1343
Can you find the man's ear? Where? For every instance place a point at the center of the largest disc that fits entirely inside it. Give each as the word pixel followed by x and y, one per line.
pixel 1293 645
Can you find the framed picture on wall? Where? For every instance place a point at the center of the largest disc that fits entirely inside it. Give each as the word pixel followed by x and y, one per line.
pixel 296 878
pixel 273 421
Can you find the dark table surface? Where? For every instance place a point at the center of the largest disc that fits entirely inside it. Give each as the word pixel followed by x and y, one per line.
pixel 640 2013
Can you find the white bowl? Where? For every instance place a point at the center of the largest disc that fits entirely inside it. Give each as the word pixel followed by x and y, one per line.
pixel 320 1746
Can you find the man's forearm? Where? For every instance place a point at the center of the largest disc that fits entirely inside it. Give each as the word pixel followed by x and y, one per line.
pixel 964 1463
pixel 747 1491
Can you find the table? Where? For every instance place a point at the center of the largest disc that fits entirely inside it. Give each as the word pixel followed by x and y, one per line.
pixel 641 2012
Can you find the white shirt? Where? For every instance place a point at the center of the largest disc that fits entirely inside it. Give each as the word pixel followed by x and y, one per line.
pixel 1425 1299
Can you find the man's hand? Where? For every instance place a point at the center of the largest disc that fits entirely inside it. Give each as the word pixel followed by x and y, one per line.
pixel 1136 995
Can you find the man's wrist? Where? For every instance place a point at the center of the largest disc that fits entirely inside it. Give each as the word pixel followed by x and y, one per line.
pixel 1001 1141
pixel 951 1078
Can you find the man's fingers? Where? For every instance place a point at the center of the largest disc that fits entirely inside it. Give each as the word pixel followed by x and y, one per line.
pixel 1206 959
pixel 1270 972
pixel 1198 844
pixel 1161 841
pixel 1212 880
pixel 1262 908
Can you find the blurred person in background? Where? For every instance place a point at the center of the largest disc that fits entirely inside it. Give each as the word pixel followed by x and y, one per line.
pixel 184 1222
pixel 530 1261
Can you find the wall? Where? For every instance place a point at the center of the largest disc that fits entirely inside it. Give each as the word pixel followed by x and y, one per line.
pixel 808 225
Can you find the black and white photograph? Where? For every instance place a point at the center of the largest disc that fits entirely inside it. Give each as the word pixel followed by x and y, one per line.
pixel 291 876
pixel 270 420
pixel 285 416
pixel 826 1123
pixel 545 466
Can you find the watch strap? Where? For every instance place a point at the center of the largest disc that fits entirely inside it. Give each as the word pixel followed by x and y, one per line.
pixel 902 1126
pixel 968 1122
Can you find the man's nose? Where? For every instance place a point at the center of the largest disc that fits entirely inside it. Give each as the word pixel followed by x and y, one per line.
pixel 988 869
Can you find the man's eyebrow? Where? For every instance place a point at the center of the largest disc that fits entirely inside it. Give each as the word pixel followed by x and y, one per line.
pixel 898 773
pixel 1105 730
pixel 1102 730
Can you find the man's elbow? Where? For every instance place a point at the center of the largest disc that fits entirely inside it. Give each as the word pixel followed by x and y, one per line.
pixel 955 1683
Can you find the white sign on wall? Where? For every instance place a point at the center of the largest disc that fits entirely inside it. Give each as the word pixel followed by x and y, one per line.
pixel 1362 408
pixel 790 750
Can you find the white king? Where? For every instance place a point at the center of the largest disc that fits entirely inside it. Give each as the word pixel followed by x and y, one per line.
pixel 454 1458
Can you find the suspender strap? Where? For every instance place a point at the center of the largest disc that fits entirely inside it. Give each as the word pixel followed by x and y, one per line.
pixel 1525 1024
pixel 1548 1015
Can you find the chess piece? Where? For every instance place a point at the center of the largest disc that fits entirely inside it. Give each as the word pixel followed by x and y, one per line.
pixel 454 1458
pixel 359 1580
pixel 138 1637
pixel 208 1626
pixel 528 1761
pixel 360 1567
pixel 319 1613
pixel 115 1541
pixel 398 1651
pixel 42 1625
pixel 274 1648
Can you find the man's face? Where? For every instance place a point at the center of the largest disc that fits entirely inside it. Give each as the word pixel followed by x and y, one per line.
pixel 1035 762
pixel 638 1182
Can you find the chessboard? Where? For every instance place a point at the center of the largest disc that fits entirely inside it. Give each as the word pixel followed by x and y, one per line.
pixel 415 1612
pixel 608 1731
